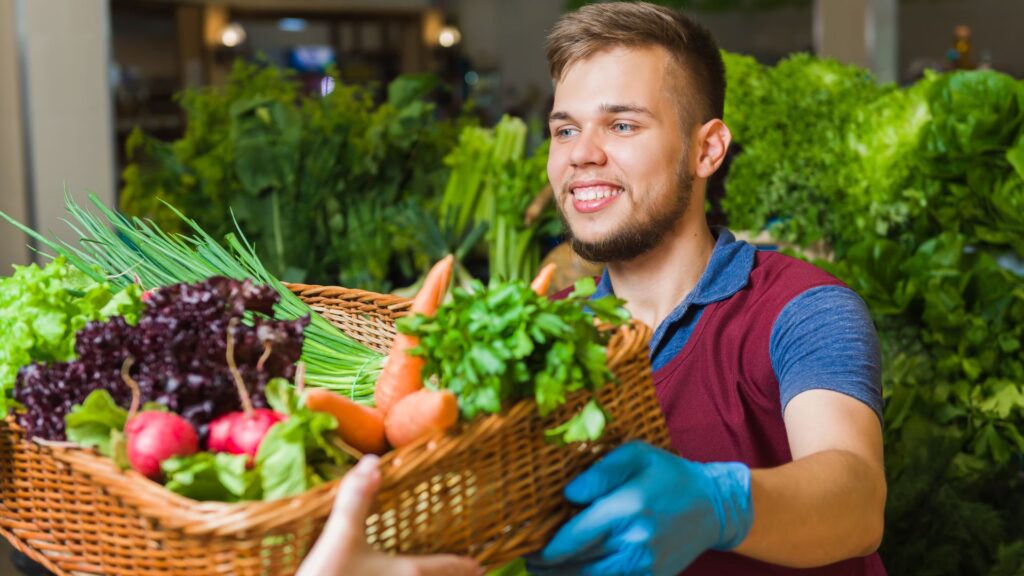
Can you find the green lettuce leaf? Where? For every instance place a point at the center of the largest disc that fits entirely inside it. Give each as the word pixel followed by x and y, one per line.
pixel 587 426
pixel 41 310
pixel 207 476
pixel 298 453
pixel 92 422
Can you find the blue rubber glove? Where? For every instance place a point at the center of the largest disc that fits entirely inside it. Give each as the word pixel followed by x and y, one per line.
pixel 648 512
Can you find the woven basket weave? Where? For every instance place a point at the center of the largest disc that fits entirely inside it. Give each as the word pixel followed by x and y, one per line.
pixel 491 490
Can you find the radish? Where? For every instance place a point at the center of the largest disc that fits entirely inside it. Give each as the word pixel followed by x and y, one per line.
pixel 241 432
pixel 154 436
pixel 220 431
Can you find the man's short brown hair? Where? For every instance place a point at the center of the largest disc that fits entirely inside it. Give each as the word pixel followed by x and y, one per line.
pixel 598 27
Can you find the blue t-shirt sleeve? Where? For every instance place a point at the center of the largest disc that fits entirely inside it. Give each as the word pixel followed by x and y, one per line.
pixel 824 339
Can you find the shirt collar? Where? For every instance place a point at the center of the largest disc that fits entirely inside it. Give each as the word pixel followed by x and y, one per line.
pixel 727 273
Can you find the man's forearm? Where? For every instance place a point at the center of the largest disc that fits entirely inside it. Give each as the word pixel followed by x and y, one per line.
pixel 821 509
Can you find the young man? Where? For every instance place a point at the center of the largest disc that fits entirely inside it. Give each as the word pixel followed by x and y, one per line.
pixel 767 369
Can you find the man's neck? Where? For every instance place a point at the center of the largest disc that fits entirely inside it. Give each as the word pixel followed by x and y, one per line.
pixel 655 283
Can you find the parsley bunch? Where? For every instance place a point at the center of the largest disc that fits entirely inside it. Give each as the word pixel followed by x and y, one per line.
pixel 501 343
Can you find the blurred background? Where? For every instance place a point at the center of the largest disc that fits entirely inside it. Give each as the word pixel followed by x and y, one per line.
pixel 77 76
pixel 354 142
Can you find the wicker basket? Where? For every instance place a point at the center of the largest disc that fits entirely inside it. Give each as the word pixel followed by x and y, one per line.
pixel 492 490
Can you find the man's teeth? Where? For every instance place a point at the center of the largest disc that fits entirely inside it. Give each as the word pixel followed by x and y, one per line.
pixel 592 193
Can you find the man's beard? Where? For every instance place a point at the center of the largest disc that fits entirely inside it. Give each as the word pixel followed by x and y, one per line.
pixel 641 233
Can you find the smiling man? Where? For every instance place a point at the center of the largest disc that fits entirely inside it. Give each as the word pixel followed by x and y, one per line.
pixel 767 369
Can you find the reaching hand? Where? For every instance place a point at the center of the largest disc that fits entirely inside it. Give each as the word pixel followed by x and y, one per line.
pixel 648 512
pixel 342 547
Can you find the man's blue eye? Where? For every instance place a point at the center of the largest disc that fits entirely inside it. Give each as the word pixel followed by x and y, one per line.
pixel 622 127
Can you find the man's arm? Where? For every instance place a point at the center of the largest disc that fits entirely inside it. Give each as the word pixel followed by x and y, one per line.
pixel 828 504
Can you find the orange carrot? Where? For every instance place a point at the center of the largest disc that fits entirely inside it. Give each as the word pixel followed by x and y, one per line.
pixel 541 283
pixel 361 427
pixel 420 414
pixel 402 373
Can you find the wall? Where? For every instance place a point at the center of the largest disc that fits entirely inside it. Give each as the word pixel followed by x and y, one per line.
pixel 767 35
pixel 13 199
pixel 926 32
pixel 508 36
pixel 839 31
pixel 12 190
pixel 70 117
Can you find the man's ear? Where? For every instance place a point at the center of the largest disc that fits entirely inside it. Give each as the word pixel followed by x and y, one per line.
pixel 711 143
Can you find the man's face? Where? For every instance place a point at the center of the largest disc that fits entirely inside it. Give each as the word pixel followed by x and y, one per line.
pixel 618 161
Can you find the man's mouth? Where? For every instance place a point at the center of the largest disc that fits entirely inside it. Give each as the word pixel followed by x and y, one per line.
pixel 593 196
pixel 595 193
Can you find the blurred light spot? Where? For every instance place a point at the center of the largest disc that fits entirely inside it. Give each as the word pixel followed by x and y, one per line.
pixel 449 36
pixel 291 24
pixel 232 35
pixel 326 85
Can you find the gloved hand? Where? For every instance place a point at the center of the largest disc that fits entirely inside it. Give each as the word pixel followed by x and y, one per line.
pixel 648 512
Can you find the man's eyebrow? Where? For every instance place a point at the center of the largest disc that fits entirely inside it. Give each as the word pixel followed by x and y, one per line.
pixel 605 109
pixel 620 108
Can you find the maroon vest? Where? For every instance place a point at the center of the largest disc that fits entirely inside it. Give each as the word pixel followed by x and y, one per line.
pixel 722 401
pixel 721 397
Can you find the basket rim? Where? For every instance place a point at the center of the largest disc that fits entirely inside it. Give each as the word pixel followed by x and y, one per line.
pixel 392 302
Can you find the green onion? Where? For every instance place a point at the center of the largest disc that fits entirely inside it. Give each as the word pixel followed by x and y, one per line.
pixel 137 250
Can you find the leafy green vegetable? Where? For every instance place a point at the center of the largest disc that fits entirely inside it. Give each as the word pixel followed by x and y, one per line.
pixel 313 181
pixel 493 180
pixel 503 342
pixel 298 453
pixel 92 422
pixel 41 310
pixel 295 455
pixel 793 142
pixel 206 476
pixel 587 425
pixel 922 201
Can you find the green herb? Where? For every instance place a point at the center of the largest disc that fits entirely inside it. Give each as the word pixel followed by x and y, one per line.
pixel 502 343
pixel 587 425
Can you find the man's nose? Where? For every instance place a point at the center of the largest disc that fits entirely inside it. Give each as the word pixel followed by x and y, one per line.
pixel 588 149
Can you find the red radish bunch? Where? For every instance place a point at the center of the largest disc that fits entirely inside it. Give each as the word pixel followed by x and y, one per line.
pixel 241 432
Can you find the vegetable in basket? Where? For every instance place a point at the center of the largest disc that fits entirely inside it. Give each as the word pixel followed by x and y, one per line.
pixel 41 310
pixel 506 342
pixel 280 449
pixel 490 348
pixel 123 251
pixel 405 411
pixel 179 349
pixel 154 435
pixel 243 431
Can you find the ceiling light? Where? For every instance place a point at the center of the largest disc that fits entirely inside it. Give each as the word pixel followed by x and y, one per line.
pixel 232 35
pixel 449 36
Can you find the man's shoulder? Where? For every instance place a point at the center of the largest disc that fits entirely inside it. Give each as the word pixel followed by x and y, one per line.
pixel 779 272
